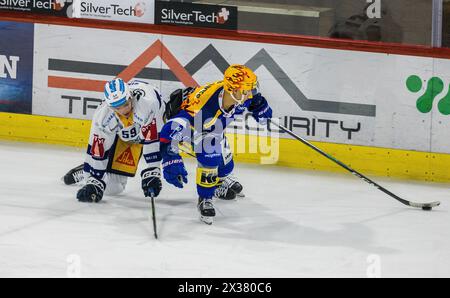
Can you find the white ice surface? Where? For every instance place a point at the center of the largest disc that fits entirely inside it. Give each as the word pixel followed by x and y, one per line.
pixel 293 223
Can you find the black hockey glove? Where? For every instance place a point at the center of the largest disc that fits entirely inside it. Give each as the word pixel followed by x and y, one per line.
pixel 92 191
pixel 260 109
pixel 151 181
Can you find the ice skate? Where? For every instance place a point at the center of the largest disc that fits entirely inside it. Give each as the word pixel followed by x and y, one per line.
pixel 74 176
pixel 207 211
pixel 228 189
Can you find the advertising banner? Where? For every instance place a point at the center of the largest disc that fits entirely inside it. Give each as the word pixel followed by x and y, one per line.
pixel 196 15
pixel 335 96
pixel 54 7
pixel 16 67
pixel 139 11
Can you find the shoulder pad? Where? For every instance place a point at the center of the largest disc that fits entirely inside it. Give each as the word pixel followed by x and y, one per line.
pixel 205 92
pixel 104 118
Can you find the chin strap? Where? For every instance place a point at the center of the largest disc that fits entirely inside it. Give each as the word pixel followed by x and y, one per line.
pixel 241 101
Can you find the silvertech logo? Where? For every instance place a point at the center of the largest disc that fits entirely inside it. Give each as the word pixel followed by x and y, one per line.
pixel 59 5
pixel 223 15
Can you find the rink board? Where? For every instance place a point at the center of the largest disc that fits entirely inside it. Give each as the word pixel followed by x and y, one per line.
pixel 369 160
pixel 16 67
pixel 327 95
pixel 384 114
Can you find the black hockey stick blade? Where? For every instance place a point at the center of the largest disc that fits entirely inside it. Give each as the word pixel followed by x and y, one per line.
pixel 425 206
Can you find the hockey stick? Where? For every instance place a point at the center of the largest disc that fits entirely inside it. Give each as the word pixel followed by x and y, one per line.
pixel 185 150
pixel 424 206
pixel 153 215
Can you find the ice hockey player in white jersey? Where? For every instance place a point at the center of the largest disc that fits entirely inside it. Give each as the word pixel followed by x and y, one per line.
pixel 124 127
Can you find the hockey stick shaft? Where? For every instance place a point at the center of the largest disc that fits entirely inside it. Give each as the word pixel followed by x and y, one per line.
pixel 354 172
pixel 155 231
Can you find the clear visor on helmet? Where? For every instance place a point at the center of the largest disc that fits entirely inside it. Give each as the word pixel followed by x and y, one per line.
pixel 252 92
pixel 125 101
pixel 118 103
pixel 247 91
pixel 255 90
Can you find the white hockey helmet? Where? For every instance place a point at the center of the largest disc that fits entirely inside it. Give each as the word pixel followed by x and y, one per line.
pixel 117 93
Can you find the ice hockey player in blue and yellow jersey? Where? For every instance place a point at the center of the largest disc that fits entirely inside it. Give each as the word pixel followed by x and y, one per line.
pixel 197 118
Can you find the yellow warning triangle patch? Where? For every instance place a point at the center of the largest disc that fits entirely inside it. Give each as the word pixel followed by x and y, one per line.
pixel 126 158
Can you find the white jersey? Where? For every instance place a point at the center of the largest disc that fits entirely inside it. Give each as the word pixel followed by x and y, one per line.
pixel 147 115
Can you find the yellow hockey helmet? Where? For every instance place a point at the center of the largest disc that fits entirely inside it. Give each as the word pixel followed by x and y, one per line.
pixel 239 77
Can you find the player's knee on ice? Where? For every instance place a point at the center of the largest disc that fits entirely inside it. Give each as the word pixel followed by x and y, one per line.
pixel 115 184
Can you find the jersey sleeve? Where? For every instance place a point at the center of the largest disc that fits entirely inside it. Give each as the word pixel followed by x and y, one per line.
pixel 101 140
pixel 150 132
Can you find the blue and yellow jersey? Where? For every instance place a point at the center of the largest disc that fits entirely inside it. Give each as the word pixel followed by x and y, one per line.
pixel 201 116
pixel 204 106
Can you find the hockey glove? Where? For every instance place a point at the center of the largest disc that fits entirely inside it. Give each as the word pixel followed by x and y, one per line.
pixel 151 181
pixel 92 191
pixel 261 110
pixel 174 171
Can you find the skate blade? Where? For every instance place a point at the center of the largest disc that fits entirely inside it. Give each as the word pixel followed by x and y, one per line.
pixel 207 219
pixel 240 195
